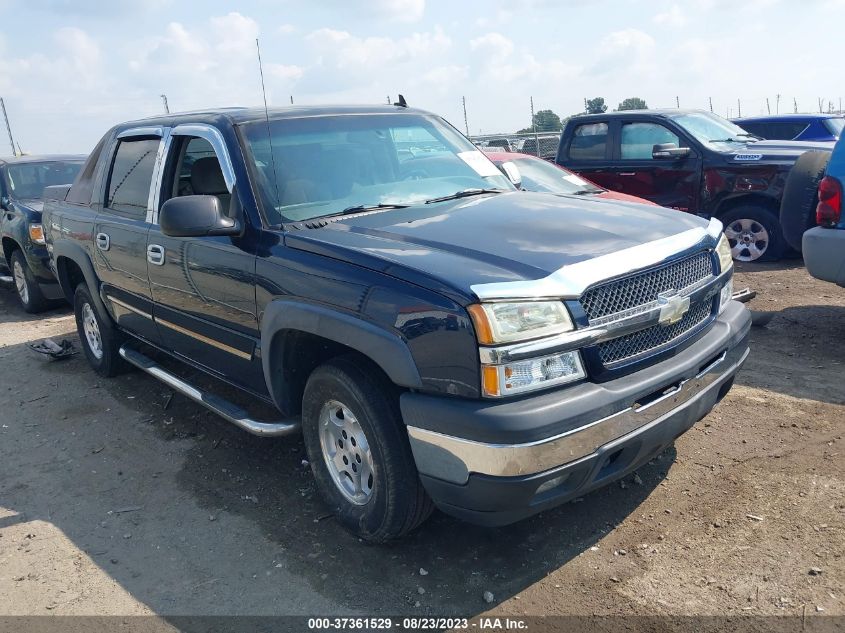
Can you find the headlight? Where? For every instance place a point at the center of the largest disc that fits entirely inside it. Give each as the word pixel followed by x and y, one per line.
pixel 36 233
pixel 726 294
pixel 509 322
pixel 723 250
pixel 534 373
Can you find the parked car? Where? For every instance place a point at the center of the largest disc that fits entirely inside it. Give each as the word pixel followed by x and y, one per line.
pixel 439 337
pixel 22 182
pixel 824 245
pixel 542 176
pixel 794 127
pixel 693 161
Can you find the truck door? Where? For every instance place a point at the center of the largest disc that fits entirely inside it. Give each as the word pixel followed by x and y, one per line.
pixel 588 152
pixel 203 288
pixel 670 182
pixel 121 226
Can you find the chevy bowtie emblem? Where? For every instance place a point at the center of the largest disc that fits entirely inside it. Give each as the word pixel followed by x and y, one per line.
pixel 673 307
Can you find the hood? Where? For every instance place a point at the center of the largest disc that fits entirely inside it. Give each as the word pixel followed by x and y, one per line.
pixel 33 204
pixel 505 237
pixel 771 151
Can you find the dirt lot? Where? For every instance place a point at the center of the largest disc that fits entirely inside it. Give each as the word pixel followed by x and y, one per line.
pixel 118 498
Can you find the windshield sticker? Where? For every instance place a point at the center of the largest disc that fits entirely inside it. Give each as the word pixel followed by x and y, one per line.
pixel 480 164
pixel 748 156
pixel 575 180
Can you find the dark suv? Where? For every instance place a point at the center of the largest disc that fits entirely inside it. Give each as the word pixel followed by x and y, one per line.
pixel 438 336
pixel 22 183
pixel 692 161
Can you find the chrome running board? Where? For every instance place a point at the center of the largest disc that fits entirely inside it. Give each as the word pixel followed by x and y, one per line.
pixel 216 404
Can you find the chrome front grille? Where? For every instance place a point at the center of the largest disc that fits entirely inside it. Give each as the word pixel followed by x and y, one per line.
pixel 650 339
pixel 612 300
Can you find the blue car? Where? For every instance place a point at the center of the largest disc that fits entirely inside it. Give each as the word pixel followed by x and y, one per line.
pixel 824 245
pixel 794 127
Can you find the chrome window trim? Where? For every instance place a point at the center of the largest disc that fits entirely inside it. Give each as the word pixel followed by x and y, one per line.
pixel 215 138
pixel 594 334
pixel 569 282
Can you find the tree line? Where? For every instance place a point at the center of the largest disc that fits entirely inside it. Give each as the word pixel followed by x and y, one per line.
pixel 548 121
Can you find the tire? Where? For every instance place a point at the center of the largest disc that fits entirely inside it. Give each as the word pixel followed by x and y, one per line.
pixel 100 339
pixel 350 417
pixel 26 285
pixel 757 224
pixel 801 195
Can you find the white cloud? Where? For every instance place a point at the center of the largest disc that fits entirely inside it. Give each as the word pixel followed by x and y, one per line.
pixel 673 17
pixel 493 44
pixel 344 50
pixel 402 10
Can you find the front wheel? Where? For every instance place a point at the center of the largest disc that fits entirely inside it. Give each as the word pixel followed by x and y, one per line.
pixel 359 451
pixel 753 233
pixel 101 340
pixel 26 285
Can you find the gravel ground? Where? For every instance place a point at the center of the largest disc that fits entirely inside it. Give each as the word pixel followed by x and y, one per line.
pixel 117 497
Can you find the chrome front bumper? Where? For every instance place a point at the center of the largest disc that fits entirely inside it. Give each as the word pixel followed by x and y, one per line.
pixel 454 459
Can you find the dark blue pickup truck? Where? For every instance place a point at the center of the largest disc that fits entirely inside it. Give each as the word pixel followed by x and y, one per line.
pixel 439 337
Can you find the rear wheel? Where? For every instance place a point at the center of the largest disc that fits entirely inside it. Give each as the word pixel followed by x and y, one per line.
pixel 26 285
pixel 753 233
pixel 359 451
pixel 100 339
pixel 801 195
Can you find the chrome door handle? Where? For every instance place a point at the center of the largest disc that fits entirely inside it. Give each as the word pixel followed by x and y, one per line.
pixel 103 241
pixel 628 173
pixel 155 254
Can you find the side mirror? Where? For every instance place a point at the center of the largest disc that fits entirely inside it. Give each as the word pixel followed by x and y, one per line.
pixel 196 216
pixel 669 150
pixel 512 172
pixel 5 202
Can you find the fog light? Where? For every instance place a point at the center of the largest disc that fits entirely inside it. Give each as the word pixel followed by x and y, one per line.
pixel 554 482
pixel 726 294
pixel 535 373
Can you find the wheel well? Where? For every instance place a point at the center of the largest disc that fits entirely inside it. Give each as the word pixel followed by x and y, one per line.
pixel 70 276
pixel 764 201
pixel 296 355
pixel 9 247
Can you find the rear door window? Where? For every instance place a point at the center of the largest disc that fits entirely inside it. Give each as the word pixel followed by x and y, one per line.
pixel 638 140
pixel 589 142
pixel 131 176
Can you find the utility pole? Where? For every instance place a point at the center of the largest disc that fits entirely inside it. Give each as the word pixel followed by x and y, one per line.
pixel 711 103
pixel 586 110
pixel 777 104
pixel 291 99
pixel 768 109
pixel 166 107
pixel 534 125
pixel 678 102
pixel 466 121
pixel 795 104
pixel 820 104
pixel 738 108
pixel 8 127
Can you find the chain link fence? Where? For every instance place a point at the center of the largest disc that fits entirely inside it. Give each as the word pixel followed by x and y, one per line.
pixel 542 144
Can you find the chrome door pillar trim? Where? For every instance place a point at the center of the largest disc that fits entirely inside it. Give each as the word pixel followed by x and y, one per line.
pixel 215 138
pixel 569 282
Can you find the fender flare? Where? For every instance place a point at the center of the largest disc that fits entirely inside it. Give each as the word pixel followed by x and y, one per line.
pixel 78 256
pixel 387 349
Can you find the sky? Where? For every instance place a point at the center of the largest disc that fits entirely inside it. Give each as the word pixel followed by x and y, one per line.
pixel 69 69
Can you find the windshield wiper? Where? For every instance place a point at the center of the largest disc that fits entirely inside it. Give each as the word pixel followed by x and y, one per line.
pixel 725 140
pixel 754 136
pixel 586 192
pixel 463 193
pixel 358 208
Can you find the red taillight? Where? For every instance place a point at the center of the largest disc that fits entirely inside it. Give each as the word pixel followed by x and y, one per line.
pixel 829 209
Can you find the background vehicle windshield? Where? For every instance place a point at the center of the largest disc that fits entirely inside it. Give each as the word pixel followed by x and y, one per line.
pixel 709 128
pixel 835 126
pixel 541 175
pixel 323 165
pixel 27 180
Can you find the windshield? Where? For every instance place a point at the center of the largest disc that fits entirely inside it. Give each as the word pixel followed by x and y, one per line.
pixel 709 128
pixel 835 126
pixel 27 180
pixel 543 176
pixel 325 165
